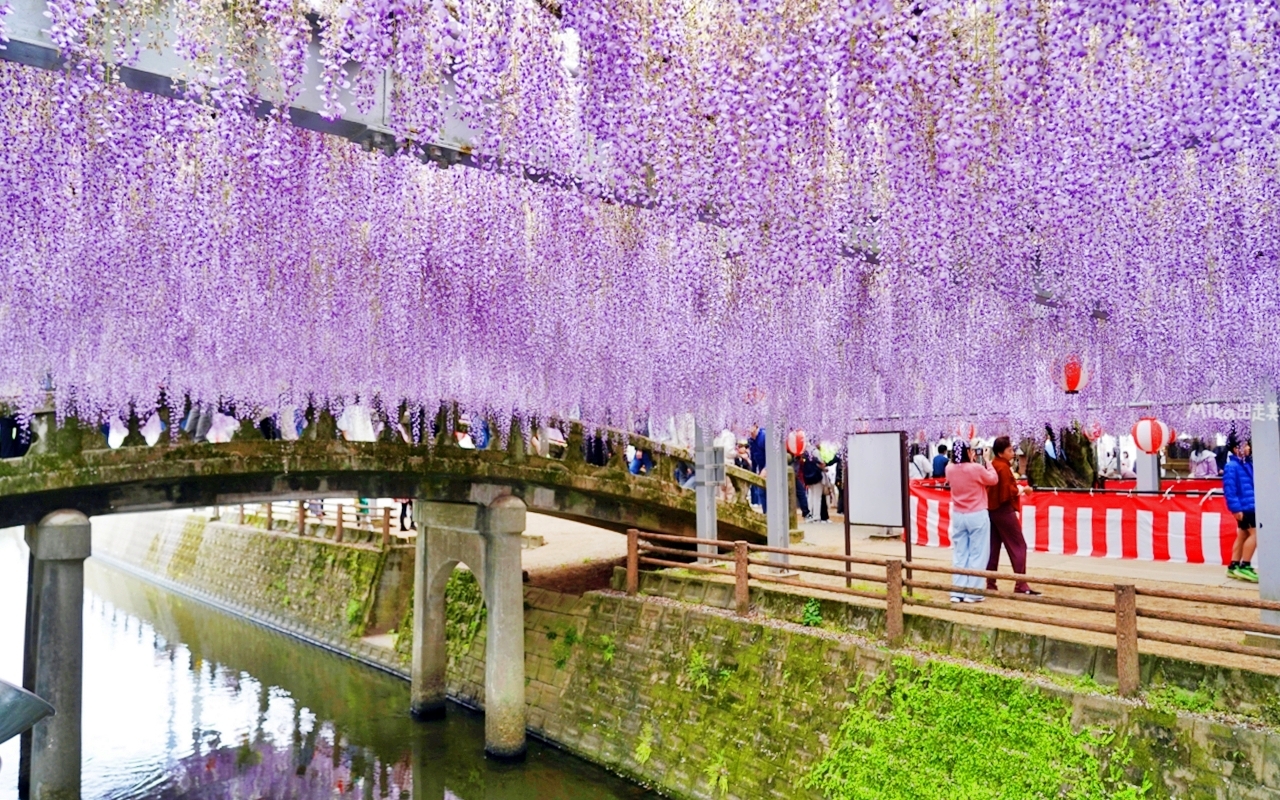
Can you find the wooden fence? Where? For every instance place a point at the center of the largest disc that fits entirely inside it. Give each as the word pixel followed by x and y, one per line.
pixel 1116 612
pixel 331 519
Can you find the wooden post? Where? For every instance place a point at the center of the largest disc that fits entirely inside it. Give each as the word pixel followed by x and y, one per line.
pixel 1127 673
pixel 633 561
pixel 337 530
pixel 893 623
pixel 270 521
pixel 741 589
pixel 386 527
pixel 302 517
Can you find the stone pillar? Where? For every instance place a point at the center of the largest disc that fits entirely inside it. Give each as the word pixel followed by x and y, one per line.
pixel 779 515
pixel 1148 469
pixel 59 545
pixel 1266 492
pixel 707 477
pixel 34 574
pixel 503 522
pixel 447 534
pixel 487 540
pixel 427 688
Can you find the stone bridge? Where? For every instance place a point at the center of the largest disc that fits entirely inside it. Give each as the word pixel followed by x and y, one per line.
pixel 70 467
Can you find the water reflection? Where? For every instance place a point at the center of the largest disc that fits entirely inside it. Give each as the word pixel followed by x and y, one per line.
pixel 184 702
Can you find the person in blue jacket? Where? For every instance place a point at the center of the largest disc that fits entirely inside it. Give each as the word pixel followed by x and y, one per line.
pixel 1237 486
pixel 756 449
pixel 940 462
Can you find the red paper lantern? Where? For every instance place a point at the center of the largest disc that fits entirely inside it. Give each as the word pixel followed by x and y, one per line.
pixel 1150 434
pixel 795 442
pixel 967 432
pixel 1094 432
pixel 1073 375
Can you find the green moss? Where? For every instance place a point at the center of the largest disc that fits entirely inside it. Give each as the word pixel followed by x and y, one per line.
pixel 955 733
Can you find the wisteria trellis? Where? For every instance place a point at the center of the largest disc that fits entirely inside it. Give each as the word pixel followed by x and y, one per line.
pixel 888 185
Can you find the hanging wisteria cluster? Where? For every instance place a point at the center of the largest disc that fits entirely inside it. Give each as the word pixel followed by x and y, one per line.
pixel 840 212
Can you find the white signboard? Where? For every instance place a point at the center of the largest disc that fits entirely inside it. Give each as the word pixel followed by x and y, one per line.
pixel 878 479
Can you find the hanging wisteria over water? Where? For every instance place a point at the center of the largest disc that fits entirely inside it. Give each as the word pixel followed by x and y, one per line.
pixel 837 211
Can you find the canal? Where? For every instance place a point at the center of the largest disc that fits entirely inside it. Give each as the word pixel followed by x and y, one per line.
pixel 184 702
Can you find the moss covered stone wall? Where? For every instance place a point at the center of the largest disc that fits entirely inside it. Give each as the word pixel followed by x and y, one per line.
pixel 700 704
pixel 317 583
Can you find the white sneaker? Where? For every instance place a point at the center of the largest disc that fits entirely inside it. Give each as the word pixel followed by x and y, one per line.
pixel 956 599
pixel 975 599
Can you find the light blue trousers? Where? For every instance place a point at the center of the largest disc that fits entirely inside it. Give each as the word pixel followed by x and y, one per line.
pixel 970 546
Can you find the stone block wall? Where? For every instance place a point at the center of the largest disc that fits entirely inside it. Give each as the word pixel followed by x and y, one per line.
pixel 315 582
pixel 1234 691
pixel 699 704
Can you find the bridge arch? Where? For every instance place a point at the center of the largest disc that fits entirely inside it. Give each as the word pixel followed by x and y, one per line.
pixel 73 470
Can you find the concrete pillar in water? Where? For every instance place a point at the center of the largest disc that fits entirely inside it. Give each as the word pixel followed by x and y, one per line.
pixel 1148 469
pixel 487 540
pixel 55 657
pixel 504 709
pixel 1266 492
pixel 433 563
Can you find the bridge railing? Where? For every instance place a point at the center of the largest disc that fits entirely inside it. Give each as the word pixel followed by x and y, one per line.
pixel 892 582
pixel 580 445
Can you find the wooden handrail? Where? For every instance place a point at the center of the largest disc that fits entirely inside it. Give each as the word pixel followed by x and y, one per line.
pixel 1123 608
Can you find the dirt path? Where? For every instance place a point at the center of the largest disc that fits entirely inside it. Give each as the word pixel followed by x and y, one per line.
pixel 576 558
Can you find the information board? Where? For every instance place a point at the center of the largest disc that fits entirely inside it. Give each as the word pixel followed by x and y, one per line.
pixel 878 479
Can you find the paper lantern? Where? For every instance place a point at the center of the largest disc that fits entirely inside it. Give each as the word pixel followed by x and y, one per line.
pixel 1072 375
pixel 795 442
pixel 1150 434
pixel 967 432
pixel 1094 432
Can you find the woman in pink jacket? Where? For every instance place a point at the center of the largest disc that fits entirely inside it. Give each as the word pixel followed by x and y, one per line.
pixel 970 523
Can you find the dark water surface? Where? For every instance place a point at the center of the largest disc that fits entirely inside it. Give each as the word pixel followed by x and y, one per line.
pixel 182 701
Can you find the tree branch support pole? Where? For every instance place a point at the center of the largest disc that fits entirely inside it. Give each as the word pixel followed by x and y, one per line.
pixel 707 477
pixel 1148 469
pixel 778 494
pixel 1266 491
